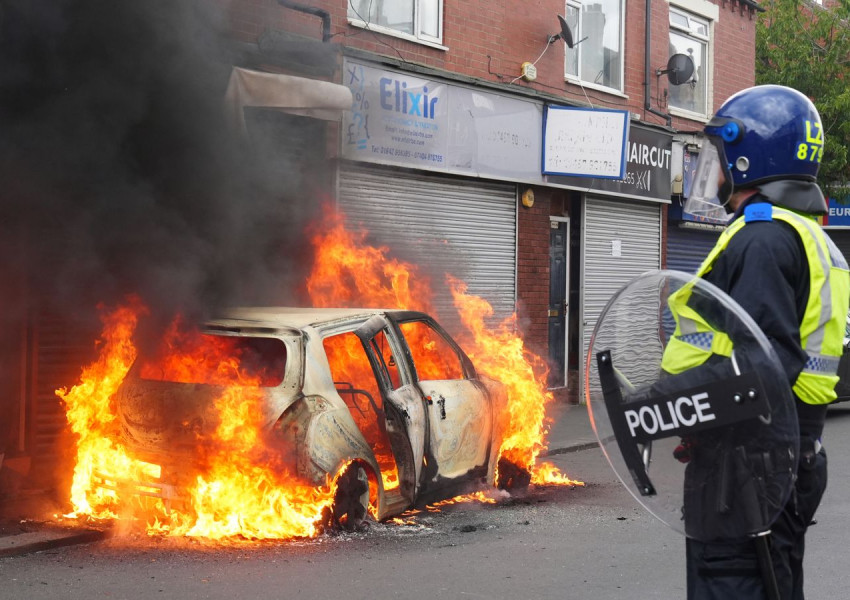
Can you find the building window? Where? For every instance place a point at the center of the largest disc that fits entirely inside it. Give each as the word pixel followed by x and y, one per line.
pixel 690 35
pixel 421 20
pixel 598 59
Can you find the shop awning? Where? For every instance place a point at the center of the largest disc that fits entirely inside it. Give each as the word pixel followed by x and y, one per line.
pixel 297 95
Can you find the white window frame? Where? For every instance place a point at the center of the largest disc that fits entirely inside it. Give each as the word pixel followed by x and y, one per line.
pixel 578 35
pixel 419 37
pixel 709 12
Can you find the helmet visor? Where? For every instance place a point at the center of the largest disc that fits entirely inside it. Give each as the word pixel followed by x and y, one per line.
pixel 703 201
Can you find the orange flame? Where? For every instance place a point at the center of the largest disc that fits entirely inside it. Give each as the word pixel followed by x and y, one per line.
pixel 480 497
pixel 351 273
pixel 502 355
pixel 241 491
pixel 92 419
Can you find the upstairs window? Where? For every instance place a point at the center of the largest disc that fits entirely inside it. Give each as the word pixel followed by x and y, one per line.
pixel 598 59
pixel 690 35
pixel 421 20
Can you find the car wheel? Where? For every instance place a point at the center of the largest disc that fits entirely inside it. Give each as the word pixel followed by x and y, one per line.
pixel 351 501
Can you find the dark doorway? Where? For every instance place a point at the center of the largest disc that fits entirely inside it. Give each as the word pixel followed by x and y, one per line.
pixel 559 243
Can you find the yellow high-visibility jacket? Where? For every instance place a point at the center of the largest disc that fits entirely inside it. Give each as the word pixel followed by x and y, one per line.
pixel 822 327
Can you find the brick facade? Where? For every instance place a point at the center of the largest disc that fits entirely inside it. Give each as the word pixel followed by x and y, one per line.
pixel 488 40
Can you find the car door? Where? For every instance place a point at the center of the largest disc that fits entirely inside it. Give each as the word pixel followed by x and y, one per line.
pixel 402 402
pixel 459 411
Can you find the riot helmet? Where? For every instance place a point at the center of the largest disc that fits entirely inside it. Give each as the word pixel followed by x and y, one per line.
pixel 761 134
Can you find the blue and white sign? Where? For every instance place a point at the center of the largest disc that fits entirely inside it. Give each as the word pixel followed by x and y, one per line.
pixel 585 142
pixel 838 215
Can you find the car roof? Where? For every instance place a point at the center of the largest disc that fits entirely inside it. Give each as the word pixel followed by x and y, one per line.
pixel 291 317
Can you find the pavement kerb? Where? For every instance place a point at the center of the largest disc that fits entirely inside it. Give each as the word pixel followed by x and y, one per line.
pixel 570 448
pixel 37 541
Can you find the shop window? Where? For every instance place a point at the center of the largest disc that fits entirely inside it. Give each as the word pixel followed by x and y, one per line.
pixel 421 20
pixel 598 59
pixel 690 35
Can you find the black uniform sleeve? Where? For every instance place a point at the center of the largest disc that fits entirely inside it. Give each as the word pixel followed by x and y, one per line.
pixel 764 268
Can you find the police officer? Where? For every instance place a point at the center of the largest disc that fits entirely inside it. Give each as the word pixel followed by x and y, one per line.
pixel 759 161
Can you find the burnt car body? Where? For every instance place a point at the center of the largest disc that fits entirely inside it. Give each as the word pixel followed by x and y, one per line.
pixel 386 390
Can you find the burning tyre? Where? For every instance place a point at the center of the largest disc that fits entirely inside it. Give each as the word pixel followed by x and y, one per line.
pixel 350 507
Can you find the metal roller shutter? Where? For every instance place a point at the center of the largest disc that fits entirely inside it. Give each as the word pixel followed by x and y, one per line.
pixel 443 224
pixel 686 248
pixel 61 349
pixel 841 237
pixel 633 226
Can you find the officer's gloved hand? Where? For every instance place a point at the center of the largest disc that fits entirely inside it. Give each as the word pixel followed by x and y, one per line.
pixel 683 452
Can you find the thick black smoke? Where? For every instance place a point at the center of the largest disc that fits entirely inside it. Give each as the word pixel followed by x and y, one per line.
pixel 119 172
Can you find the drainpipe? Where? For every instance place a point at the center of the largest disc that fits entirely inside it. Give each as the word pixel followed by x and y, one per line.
pixel 647 105
pixel 325 16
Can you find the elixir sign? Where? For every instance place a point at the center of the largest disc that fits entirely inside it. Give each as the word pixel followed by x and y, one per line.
pixel 397 118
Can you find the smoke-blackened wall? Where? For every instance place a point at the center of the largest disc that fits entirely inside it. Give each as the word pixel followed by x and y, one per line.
pixel 120 174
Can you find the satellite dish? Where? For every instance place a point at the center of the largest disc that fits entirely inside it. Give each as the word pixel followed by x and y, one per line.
pixel 565 34
pixel 680 69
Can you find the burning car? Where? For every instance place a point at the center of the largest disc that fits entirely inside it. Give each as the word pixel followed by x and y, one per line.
pixel 385 399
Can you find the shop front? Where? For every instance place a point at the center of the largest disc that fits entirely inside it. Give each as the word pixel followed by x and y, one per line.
pixel 431 168
pixel 620 233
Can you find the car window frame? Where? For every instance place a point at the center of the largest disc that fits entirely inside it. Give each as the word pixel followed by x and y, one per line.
pixel 467 367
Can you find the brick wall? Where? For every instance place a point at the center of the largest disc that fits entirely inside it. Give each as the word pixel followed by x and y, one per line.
pixel 490 39
pixel 734 51
pixel 533 271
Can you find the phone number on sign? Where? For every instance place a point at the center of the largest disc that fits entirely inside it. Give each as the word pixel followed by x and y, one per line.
pixel 641 180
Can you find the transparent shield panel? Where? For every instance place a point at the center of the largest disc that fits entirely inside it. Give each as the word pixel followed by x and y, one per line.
pixel 691 407
pixel 702 197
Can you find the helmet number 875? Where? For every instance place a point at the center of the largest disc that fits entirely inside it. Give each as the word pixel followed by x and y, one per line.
pixel 812 149
pixel 810 152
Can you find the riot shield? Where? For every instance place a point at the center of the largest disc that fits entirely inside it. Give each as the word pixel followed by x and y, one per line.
pixel 691 407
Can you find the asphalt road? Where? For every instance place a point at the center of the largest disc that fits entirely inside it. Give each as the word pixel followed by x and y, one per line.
pixel 567 543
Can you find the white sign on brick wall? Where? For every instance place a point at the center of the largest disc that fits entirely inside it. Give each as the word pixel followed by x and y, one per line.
pixel 585 142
